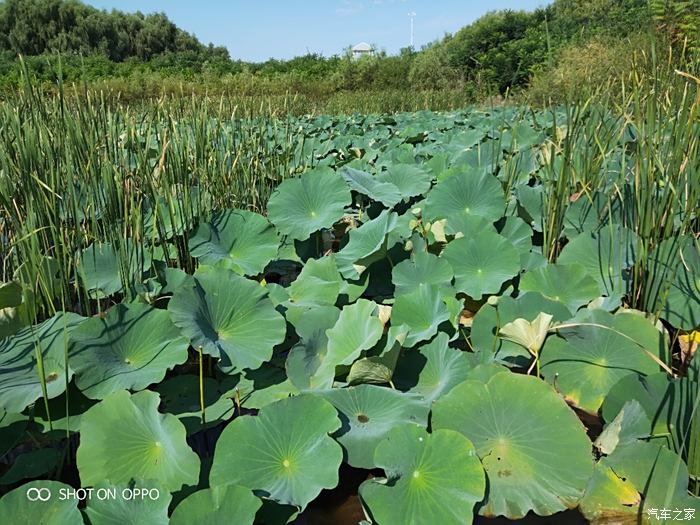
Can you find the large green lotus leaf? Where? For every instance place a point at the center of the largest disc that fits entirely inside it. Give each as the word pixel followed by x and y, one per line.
pixel 366 184
pixel 667 403
pixel 674 284
pixel 421 311
pixel 133 346
pixel 431 478
pixel 566 283
pixel 264 386
pixel 655 471
pixel 466 193
pixel 240 240
pixel 482 263
pixel 303 205
pixel 229 317
pixel 422 269
pixel 101 272
pixel 15 505
pixel 609 498
pixel 521 430
pixel 630 424
pixel 126 509
pixel 368 243
pixel 519 233
pixel 217 506
pixel 606 256
pixel 124 437
pixel 284 453
pixel 489 319
pixel 358 328
pixel 410 179
pixel 378 368
pixel 12 311
pixel 461 225
pixel 587 361
pixel 432 369
pixel 180 397
pixel 305 358
pixel 368 413
pixel 318 283
pixel 20 375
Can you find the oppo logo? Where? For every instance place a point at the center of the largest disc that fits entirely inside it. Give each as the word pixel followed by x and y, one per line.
pixel 38 494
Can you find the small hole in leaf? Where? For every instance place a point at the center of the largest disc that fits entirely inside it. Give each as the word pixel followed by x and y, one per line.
pixel 362 418
pixel 51 377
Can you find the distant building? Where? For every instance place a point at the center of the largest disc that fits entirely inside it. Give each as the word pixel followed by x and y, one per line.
pixel 362 49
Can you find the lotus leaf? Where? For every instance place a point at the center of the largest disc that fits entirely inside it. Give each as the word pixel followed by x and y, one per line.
pixel 216 506
pixel 422 269
pixel 130 348
pixel 466 193
pixel 100 267
pixel 229 317
pixel 431 478
pixel 318 283
pixel 482 263
pixel 124 437
pixel 521 429
pixel 432 369
pixel 566 283
pixel 358 328
pixel 606 256
pixel 674 288
pixel 593 355
pixel 368 243
pixel 54 511
pixel 305 358
pixel 368 413
pixel 421 311
pixel 366 184
pixel 410 179
pixel 21 372
pixel 284 453
pixel 304 205
pixel 240 240
pixel 125 509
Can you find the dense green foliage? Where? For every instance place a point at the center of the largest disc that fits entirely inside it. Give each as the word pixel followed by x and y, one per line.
pixel 142 55
pixel 243 313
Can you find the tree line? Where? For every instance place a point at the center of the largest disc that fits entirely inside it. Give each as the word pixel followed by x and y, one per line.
pixel 499 52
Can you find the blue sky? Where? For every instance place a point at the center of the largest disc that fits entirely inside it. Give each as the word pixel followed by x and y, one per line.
pixel 258 30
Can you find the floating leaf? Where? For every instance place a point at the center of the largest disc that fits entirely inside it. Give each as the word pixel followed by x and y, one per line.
pixel 521 429
pixel 358 328
pixel 16 505
pixel 431 478
pixel 566 283
pixel 367 244
pixel 375 189
pixel 482 263
pixel 31 465
pixel 303 205
pixel 432 369
pixel 130 348
pixel 589 360
pixel 124 437
pixel 20 376
pixel 421 311
pixel 368 413
pixel 146 508
pixel 318 283
pixel 216 506
pixel 229 317
pixel 422 269
pixel 284 453
pixel 411 180
pixel 240 240
pixel 466 193
pixel 606 256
